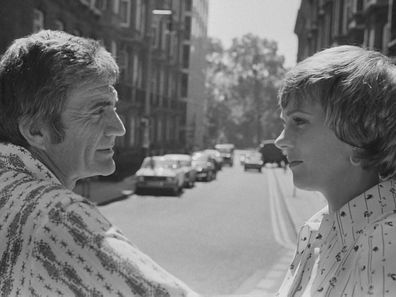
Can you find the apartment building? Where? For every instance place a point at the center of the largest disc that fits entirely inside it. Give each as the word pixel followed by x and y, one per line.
pixel 325 23
pixel 193 78
pixel 148 38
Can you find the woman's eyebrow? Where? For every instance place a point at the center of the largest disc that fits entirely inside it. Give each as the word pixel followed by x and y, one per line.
pixel 297 110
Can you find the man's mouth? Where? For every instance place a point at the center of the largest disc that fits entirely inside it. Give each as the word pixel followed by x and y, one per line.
pixel 106 150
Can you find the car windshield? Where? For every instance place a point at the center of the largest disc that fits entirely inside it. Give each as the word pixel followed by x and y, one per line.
pixel 182 161
pixel 225 148
pixel 155 162
pixel 200 157
pixel 253 156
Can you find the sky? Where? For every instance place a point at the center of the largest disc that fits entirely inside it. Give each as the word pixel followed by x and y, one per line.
pixel 271 19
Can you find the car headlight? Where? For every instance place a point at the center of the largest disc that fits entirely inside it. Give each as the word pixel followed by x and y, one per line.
pixel 140 178
pixel 170 179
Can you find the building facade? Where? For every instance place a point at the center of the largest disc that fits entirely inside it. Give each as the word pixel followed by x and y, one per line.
pixel 194 61
pixel 147 38
pixel 324 23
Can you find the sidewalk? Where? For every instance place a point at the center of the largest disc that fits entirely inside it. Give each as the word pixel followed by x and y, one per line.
pixel 104 192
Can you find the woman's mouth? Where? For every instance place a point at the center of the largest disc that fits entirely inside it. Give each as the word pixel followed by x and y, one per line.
pixel 294 163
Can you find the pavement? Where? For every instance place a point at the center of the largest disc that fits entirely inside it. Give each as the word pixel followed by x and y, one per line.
pixel 297 207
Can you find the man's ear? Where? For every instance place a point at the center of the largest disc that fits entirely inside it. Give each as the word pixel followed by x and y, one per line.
pixel 35 132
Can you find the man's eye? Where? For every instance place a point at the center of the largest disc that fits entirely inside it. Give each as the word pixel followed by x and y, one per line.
pixel 99 111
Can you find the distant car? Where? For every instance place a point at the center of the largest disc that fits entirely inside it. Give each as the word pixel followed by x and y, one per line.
pixel 270 153
pixel 215 154
pixel 227 152
pixel 204 165
pixel 185 162
pixel 158 173
pixel 253 161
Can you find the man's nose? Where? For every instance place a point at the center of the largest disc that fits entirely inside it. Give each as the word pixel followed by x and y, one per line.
pixel 115 126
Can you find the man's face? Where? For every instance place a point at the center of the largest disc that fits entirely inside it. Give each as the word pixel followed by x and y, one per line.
pixel 91 126
pixel 318 159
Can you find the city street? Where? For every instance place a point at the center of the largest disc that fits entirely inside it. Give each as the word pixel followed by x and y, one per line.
pixel 217 236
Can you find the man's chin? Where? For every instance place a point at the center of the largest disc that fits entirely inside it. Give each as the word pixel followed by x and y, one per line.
pixel 106 169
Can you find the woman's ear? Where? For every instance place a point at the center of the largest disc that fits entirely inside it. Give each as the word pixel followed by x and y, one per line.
pixel 355 161
pixel 35 132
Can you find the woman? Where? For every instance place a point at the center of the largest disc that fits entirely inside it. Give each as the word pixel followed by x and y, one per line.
pixel 339 108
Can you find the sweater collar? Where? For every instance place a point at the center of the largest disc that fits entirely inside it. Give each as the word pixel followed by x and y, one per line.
pixel 17 158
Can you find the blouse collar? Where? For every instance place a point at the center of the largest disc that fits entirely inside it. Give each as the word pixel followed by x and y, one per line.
pixel 368 207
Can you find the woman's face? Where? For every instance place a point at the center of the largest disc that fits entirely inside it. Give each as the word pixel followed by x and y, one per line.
pixel 317 158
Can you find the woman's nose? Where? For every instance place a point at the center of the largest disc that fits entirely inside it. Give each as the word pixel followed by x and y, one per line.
pixel 283 142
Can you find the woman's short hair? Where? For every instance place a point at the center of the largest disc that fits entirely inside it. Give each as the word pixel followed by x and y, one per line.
pixel 357 91
pixel 36 73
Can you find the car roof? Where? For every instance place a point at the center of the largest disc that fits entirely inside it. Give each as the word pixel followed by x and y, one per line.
pixel 224 145
pixel 178 156
pixel 268 141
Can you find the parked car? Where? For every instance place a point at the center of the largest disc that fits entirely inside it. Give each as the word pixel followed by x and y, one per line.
pixel 204 165
pixel 253 161
pixel 226 151
pixel 185 162
pixel 270 153
pixel 216 156
pixel 158 173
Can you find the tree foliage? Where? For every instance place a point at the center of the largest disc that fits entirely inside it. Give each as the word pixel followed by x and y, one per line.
pixel 242 85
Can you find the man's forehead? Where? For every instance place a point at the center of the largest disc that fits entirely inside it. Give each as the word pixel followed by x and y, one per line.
pixel 86 93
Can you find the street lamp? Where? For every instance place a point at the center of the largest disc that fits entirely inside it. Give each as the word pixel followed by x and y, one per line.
pixel 147 101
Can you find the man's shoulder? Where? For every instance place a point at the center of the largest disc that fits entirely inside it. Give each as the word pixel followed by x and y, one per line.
pixel 25 191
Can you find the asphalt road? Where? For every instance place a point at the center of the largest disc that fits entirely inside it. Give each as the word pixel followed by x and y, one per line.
pixel 215 237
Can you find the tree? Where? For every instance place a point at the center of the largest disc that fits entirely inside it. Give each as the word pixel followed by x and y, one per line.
pixel 245 78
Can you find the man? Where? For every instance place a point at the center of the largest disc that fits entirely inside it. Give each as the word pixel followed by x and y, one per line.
pixel 58 124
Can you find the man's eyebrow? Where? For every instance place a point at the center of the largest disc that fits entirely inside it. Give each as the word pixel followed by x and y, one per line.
pixel 102 103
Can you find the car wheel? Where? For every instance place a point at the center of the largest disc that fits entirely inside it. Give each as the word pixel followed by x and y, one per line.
pixel 259 170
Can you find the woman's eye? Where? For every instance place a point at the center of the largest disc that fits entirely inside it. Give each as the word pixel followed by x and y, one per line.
pixel 299 121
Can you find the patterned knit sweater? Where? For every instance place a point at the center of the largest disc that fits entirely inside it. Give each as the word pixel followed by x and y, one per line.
pixel 56 243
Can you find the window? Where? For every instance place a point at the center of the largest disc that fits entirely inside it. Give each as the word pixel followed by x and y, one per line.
pixel 138 16
pixel 184 85
pixel 135 70
pixel 116 6
pixel 38 20
pixel 125 12
pixel 99 5
pixel 113 49
pixel 76 32
pixel 132 132
pixel 186 56
pixel 58 25
pixel 188 5
pixel 187 27
pixel 85 2
pixel 123 64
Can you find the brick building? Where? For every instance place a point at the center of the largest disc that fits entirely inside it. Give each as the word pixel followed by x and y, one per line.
pixel 324 23
pixel 150 48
